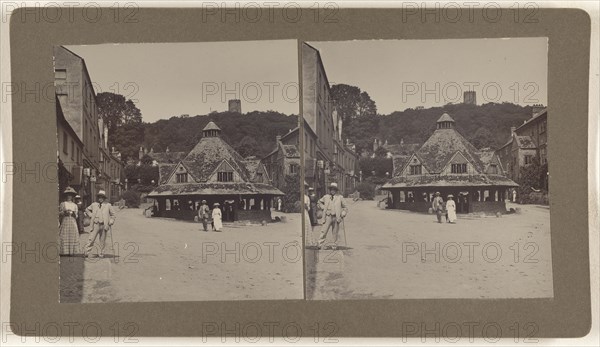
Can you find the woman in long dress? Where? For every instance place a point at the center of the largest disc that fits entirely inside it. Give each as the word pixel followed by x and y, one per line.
pixel 217 217
pixel 68 231
pixel 451 209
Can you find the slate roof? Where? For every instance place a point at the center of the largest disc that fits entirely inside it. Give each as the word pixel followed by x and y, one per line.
pixel 434 155
pixel 218 188
pixel 211 126
pixel 208 154
pixel 449 181
pixel 525 142
pixel 167 157
pixel 442 145
pixel 445 118
pixel 164 172
pixel 291 151
pixel 252 164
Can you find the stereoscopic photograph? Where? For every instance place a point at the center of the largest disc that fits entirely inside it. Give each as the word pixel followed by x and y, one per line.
pixel 426 171
pixel 179 169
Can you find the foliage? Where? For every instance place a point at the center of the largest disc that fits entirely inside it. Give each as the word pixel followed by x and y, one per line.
pixel 291 189
pixel 119 113
pixel 366 190
pixel 132 198
pixel 531 181
pixel 377 166
pixel 351 102
pixel 253 133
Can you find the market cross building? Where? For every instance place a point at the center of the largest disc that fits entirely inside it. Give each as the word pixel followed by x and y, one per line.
pixel 215 172
pixel 449 164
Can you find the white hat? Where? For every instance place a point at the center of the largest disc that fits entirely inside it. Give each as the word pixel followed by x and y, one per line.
pixel 101 193
pixel 333 185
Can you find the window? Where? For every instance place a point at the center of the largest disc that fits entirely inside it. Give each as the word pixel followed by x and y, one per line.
pixel 259 176
pixel 225 176
pixel 543 127
pixel 181 177
pixel 60 74
pixel 416 169
pixel 543 156
pixel 493 169
pixel 528 159
pixel 72 150
pixel 459 168
pixel 293 169
pixel 65 143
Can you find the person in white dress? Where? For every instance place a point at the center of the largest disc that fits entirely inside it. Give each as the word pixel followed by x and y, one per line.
pixel 451 209
pixel 217 217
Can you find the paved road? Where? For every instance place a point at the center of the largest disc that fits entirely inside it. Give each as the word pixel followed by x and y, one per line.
pixel 400 254
pixel 168 260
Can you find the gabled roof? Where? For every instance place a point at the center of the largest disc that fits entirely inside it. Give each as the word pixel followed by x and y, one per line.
pixel 291 151
pixel 206 156
pixel 525 142
pixel 441 147
pixel 164 172
pixel 252 164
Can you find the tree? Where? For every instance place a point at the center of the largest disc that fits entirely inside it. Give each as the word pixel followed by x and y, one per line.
pixel 482 138
pixel 291 189
pixel 351 102
pixel 116 112
pixel 247 146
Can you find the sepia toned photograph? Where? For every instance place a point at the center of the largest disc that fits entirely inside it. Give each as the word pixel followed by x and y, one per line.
pixel 426 171
pixel 179 172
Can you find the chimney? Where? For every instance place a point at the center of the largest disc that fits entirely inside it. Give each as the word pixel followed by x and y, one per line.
pixel 537 108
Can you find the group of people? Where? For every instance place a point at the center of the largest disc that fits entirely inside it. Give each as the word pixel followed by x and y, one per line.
pixel 214 217
pixel 440 208
pixel 332 210
pixel 72 222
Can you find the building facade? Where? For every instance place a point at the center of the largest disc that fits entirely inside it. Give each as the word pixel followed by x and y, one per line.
pixel 527 144
pixel 215 172
pixel 334 161
pixel 449 164
pixel 77 99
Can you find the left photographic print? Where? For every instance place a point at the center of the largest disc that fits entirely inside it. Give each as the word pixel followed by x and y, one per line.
pixel 179 172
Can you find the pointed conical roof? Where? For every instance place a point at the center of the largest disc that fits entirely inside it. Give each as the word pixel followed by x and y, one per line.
pixel 445 118
pixel 211 126
pixel 442 145
pixel 208 154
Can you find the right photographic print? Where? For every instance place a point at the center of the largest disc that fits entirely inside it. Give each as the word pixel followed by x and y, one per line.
pixel 425 169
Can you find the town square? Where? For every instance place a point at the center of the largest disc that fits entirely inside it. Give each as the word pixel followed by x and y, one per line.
pixel 331 190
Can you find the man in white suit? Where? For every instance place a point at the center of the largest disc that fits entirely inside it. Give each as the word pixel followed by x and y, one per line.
pixel 102 218
pixel 334 210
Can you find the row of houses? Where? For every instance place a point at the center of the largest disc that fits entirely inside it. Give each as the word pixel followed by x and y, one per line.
pixel 85 161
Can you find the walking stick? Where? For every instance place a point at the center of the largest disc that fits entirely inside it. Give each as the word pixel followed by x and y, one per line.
pixel 344 229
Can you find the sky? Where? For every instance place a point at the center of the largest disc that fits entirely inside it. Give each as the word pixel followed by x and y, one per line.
pixel 171 79
pixel 400 74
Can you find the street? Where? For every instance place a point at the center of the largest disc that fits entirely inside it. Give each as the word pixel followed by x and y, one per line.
pixel 157 259
pixel 400 254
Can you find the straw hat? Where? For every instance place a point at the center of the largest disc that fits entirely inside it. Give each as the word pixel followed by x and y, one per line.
pixel 101 193
pixel 204 201
pixel 70 191
pixel 450 195
pixel 77 196
pixel 333 185
pixel 437 193
pixel 216 204
pixel 311 188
